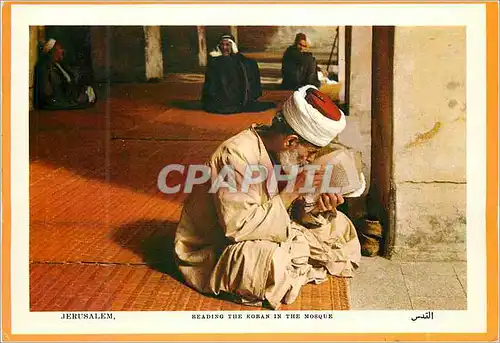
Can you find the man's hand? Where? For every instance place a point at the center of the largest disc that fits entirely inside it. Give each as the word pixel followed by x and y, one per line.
pixel 327 202
pixel 300 181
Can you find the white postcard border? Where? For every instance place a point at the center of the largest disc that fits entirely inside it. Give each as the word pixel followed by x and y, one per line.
pixel 471 15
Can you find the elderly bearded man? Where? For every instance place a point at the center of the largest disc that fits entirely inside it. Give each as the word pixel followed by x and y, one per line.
pixel 249 243
pixel 232 80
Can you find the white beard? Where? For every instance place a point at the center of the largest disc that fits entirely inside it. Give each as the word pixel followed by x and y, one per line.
pixel 288 159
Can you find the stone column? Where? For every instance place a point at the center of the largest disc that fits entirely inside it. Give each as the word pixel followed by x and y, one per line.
pixel 380 200
pixel 100 52
pixel 37 36
pixel 234 31
pixel 430 142
pixel 357 133
pixel 341 63
pixel 202 46
pixel 153 53
pixel 41 33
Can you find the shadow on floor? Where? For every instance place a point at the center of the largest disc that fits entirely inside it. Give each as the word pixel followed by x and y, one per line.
pixel 192 105
pixel 153 240
pixel 196 105
pixel 260 106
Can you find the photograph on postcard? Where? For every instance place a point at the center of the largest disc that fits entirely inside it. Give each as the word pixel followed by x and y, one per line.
pixel 247 169
pixel 141 193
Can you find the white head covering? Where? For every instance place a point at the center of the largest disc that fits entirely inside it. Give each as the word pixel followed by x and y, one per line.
pixel 234 48
pixel 49 45
pixel 308 122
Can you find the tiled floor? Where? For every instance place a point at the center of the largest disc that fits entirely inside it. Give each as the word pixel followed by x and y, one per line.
pixel 101 233
pixel 87 172
pixel 382 284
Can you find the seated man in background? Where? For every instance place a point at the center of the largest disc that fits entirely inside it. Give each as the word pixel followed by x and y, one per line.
pixel 232 81
pixel 299 67
pixel 56 85
pixel 256 242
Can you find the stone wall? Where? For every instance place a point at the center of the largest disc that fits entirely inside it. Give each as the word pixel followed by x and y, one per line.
pixel 34 48
pixel 179 43
pixel 180 48
pixel 278 38
pixel 118 53
pixel 358 130
pixel 430 142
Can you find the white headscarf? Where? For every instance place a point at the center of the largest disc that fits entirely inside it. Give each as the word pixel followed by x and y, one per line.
pixel 234 48
pixel 308 122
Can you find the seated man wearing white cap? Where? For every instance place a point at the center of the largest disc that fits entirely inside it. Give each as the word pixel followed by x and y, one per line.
pixel 244 240
pixel 232 80
pixel 56 85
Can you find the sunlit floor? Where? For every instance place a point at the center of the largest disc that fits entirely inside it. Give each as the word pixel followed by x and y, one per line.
pixel 100 230
pixel 382 284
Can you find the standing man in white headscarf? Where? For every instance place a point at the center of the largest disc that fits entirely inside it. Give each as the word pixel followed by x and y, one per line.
pixel 232 80
pixel 256 243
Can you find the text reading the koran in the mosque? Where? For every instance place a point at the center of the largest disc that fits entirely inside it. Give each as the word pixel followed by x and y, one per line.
pixel 260 316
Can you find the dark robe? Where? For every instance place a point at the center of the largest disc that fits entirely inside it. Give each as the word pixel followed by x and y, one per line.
pixel 298 69
pixel 53 91
pixel 232 84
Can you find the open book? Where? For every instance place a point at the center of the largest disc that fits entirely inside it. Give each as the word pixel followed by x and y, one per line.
pixel 346 177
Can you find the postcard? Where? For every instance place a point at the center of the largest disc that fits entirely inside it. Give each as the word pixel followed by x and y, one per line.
pixel 157 157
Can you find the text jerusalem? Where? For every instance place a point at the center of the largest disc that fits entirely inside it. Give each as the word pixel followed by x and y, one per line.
pixel 88 316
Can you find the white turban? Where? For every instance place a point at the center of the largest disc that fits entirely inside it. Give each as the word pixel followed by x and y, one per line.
pixel 308 122
pixel 49 45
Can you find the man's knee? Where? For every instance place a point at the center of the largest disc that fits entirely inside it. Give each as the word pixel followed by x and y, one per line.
pixel 243 268
pixel 300 250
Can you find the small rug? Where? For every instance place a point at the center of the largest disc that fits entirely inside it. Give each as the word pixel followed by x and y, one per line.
pixel 119 287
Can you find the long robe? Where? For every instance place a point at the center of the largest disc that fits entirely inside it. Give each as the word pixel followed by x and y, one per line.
pixel 246 244
pixel 232 83
pixel 298 69
pixel 57 87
